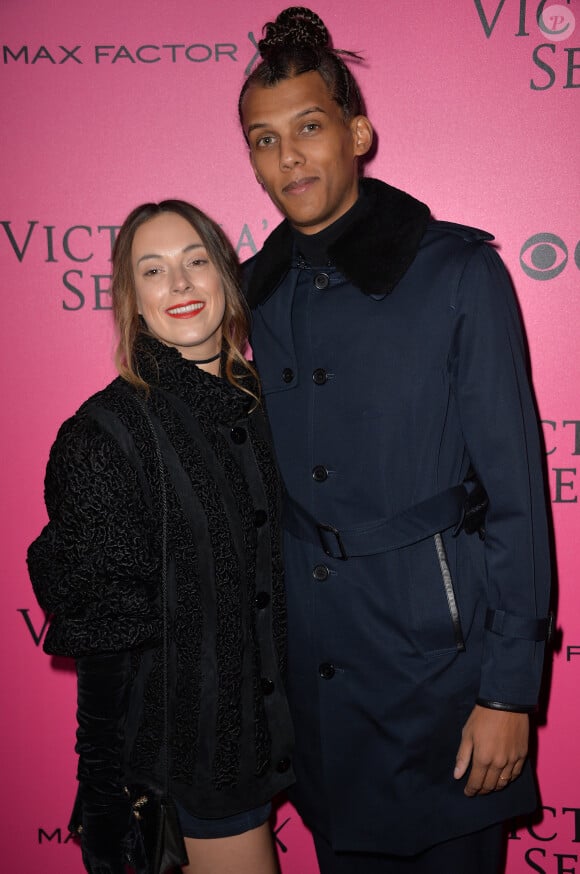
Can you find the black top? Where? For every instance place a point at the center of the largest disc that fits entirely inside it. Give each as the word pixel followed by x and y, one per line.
pixel 315 247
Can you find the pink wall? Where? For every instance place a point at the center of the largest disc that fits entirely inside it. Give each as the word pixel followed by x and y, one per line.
pixel 477 113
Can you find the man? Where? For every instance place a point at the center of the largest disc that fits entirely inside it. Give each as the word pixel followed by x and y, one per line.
pixel 393 368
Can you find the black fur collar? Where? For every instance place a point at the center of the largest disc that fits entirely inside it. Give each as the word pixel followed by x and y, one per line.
pixel 374 252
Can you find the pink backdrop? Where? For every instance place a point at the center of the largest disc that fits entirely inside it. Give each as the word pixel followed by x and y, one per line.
pixel 104 106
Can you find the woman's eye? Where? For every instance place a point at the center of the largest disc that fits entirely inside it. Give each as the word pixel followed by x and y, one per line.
pixel 153 271
pixel 197 262
pixel 265 141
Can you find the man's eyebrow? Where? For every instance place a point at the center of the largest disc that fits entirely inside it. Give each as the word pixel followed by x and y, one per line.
pixel 309 110
pixel 258 125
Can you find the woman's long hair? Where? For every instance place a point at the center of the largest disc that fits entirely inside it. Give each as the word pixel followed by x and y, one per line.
pixel 130 325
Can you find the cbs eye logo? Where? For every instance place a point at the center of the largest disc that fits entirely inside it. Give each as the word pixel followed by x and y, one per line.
pixel 544 256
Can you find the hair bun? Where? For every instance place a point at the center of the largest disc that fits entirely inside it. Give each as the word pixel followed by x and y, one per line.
pixel 296 26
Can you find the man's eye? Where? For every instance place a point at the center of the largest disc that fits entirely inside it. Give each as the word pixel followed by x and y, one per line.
pixel 265 141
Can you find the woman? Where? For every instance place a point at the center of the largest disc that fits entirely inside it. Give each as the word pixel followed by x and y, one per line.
pixel 183 420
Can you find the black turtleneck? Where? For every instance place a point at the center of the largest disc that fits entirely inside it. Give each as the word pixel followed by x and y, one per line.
pixel 314 248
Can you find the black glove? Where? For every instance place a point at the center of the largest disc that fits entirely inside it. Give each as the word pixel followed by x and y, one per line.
pixel 476 510
pixel 106 837
pixel 109 831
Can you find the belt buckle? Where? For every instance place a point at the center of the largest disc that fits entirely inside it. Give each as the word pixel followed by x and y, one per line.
pixel 323 528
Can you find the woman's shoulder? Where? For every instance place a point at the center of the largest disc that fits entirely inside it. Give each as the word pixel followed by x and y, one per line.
pixel 105 397
pixel 113 397
pixel 89 445
pixel 102 415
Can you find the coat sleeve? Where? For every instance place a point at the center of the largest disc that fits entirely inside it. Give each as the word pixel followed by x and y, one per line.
pixel 94 566
pixel 501 431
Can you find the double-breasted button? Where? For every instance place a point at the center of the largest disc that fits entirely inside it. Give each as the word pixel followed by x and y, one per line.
pixel 238 435
pixel 260 517
pixel 319 473
pixel 287 374
pixel 262 600
pixel 267 685
pixel 319 376
pixel 321 573
pixel 321 281
pixel 326 671
pixel 283 765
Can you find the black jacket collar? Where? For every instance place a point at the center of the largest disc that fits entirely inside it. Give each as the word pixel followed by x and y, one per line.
pixel 210 397
pixel 373 253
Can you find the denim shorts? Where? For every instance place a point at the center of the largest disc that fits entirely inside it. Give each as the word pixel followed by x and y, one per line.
pixel 195 827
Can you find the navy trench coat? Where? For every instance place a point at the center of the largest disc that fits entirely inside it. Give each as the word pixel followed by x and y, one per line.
pixel 387 377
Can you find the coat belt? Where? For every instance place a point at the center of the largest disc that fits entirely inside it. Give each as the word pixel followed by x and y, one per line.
pixel 437 513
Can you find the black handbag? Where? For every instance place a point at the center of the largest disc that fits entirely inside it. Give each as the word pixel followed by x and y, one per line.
pixel 155 813
pixel 161 834
pixel 154 845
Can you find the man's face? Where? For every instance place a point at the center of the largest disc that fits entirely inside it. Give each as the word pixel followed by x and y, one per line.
pixel 303 151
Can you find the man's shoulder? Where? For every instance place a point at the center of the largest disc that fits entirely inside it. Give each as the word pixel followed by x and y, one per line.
pixel 247 272
pixel 248 267
pixel 273 260
pixel 452 230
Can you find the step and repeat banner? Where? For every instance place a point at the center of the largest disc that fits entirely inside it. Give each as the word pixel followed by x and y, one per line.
pixel 476 104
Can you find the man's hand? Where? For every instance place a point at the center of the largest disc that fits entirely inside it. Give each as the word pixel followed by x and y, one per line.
pixel 496 744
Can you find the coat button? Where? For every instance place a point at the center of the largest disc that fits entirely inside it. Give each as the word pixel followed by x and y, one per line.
pixel 283 765
pixel 319 473
pixel 238 435
pixel 321 573
pixel 267 685
pixel 319 376
pixel 287 374
pixel 262 600
pixel 260 517
pixel 326 671
pixel 321 281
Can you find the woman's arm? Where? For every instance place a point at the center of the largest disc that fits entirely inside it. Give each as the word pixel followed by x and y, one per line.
pixel 95 568
pixel 95 565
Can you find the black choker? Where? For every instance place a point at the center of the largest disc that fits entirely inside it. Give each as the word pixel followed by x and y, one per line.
pixel 206 360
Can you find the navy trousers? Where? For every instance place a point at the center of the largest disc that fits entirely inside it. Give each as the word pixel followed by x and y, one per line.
pixel 481 852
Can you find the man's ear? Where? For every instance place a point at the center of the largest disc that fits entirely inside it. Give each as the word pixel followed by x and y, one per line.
pixel 362 131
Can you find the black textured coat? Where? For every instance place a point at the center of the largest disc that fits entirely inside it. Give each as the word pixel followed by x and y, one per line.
pixel 96 567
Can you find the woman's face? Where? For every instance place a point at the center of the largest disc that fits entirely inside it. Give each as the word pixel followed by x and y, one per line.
pixel 179 290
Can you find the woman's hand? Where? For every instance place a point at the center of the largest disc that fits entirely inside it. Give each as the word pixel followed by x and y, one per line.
pixel 109 832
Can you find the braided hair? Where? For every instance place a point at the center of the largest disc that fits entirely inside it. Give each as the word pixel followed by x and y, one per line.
pixel 298 42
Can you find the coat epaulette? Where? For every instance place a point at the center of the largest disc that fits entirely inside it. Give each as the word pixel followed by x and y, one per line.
pixel 470 235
